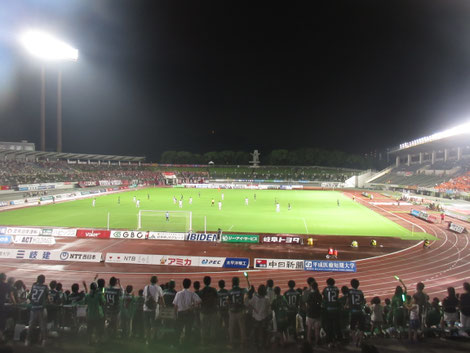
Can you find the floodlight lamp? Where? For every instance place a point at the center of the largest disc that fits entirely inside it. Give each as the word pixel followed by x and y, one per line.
pixel 46 47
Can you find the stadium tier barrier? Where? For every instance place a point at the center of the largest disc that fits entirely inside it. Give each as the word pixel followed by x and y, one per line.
pixel 34 236
pixel 177 260
pixel 33 201
pixel 253 185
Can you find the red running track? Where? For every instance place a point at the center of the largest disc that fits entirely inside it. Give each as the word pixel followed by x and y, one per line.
pixel 444 264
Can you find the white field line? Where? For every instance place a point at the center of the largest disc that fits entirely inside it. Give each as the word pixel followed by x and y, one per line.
pixel 305 223
pixel 393 214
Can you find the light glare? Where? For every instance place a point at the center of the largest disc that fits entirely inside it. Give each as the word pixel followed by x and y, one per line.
pixel 46 47
pixel 458 130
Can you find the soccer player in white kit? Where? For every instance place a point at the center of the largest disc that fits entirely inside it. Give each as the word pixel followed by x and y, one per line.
pixel 220 205
pixel 133 199
pixel 246 201
pixel 190 200
pixel 137 204
pixel 180 203
pixel 222 196
pixel 278 207
pixel 94 202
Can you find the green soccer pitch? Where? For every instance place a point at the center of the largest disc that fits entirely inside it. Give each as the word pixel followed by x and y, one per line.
pixel 312 212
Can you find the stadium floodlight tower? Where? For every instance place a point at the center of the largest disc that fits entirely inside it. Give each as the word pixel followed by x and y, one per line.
pixel 46 47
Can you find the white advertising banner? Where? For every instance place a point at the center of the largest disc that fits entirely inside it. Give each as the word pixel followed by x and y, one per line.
pixel 211 261
pixel 279 264
pixel 7 253
pixel 456 227
pixel 63 232
pixel 26 239
pixel 122 258
pixel 128 234
pixel 50 255
pixel 166 236
pixel 23 231
pixel 164 260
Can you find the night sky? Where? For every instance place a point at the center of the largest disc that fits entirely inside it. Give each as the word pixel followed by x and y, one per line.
pixel 218 75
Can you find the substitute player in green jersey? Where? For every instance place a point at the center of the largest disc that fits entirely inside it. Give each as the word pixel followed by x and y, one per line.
pixel 222 296
pixel 112 296
pixel 332 313
pixel 38 299
pixel 356 306
pixel 293 303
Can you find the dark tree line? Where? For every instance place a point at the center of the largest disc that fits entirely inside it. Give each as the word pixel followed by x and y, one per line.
pixel 298 157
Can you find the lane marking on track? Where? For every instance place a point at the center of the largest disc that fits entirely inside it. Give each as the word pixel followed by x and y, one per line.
pixel 138 273
pixel 380 208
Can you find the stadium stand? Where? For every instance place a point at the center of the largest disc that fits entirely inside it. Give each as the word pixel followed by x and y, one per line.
pixel 460 183
pixel 13 173
pixel 287 316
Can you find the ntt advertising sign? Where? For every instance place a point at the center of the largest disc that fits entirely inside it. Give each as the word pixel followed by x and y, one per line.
pixel 201 237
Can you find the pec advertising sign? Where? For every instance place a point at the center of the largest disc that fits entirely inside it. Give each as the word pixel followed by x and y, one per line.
pixel 212 261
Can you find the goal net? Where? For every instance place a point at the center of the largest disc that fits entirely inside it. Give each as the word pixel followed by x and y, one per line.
pixel 164 221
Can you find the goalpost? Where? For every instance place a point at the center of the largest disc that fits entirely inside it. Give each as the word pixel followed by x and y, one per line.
pixel 156 220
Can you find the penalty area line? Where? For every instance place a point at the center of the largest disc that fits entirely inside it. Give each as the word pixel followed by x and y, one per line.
pixel 230 228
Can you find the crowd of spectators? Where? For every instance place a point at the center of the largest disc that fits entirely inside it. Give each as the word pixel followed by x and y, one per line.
pixel 281 173
pixel 249 317
pixel 14 173
pixel 460 183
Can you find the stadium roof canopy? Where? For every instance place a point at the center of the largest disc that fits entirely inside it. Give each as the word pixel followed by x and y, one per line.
pixel 18 155
pixel 458 136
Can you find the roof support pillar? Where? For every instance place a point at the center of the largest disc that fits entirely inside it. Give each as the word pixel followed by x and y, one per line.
pixel 420 157
pixel 446 154
pixel 408 163
pixel 459 153
pixel 397 161
pixel 433 157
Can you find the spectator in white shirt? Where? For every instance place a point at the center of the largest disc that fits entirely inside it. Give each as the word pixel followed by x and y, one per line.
pixel 261 315
pixel 185 302
pixel 153 296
